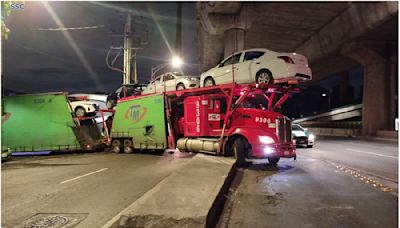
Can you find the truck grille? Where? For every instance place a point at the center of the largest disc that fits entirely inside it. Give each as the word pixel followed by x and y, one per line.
pixel 284 130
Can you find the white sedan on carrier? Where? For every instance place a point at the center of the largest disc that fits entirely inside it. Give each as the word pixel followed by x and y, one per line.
pixel 171 81
pixel 258 66
pixel 81 107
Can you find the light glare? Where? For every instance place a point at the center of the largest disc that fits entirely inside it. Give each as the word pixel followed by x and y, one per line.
pixel 176 62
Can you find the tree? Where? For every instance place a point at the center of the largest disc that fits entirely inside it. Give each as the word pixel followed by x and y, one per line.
pixel 5 12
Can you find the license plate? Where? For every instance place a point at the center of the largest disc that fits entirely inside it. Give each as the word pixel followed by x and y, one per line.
pixel 286 152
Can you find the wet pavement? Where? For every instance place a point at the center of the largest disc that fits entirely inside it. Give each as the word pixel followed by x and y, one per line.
pixel 314 191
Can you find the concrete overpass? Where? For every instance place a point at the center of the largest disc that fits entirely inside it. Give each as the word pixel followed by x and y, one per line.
pixel 335 37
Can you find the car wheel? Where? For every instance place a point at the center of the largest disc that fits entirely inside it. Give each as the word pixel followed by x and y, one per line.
pixel 273 160
pixel 110 104
pixel 264 76
pixel 209 81
pixel 180 86
pixel 80 112
pixel 309 146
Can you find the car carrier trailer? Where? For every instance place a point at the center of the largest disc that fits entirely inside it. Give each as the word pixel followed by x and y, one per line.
pixel 230 119
pixel 44 122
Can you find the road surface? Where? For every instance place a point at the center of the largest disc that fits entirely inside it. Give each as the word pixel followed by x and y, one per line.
pixel 86 189
pixel 331 185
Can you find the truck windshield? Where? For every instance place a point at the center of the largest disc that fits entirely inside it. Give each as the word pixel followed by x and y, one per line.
pixel 256 101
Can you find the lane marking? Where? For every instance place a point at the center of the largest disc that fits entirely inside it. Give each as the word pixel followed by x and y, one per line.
pixel 363 152
pixel 366 179
pixel 85 175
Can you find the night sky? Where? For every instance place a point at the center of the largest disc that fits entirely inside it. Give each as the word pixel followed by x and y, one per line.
pixel 35 59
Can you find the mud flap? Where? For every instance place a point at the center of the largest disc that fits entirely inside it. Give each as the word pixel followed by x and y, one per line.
pixel 88 136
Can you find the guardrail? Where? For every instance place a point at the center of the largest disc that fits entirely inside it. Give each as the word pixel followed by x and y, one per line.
pixel 335 115
pixel 345 124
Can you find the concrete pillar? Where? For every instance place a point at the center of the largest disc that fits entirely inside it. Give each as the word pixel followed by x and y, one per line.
pixel 210 49
pixel 375 114
pixel 393 87
pixel 234 41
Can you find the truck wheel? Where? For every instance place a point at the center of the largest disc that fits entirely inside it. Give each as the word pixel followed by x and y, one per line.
pixel 116 145
pixel 80 112
pixel 239 149
pixel 128 146
pixel 264 76
pixel 209 81
pixel 273 160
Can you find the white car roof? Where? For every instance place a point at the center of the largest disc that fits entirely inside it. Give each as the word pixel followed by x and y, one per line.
pixel 254 49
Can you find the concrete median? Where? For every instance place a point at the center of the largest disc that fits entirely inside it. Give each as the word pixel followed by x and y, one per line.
pixel 190 197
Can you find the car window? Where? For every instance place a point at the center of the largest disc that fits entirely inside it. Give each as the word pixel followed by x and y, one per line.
pixel 250 55
pixel 157 80
pixel 168 77
pixel 296 128
pixel 232 60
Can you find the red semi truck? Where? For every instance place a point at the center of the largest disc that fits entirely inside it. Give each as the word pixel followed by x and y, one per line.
pixel 231 120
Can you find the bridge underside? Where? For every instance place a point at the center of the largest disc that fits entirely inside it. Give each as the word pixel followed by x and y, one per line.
pixel 335 37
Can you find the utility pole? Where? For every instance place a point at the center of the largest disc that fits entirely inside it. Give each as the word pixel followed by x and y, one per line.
pixel 133 42
pixel 127 52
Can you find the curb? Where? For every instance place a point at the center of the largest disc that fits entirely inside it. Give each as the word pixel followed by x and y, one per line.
pixel 217 207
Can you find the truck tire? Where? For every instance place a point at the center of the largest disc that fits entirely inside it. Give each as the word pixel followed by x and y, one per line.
pixel 264 76
pixel 273 160
pixel 239 149
pixel 128 146
pixel 116 146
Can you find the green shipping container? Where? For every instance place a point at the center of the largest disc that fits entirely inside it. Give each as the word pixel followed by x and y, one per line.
pixel 142 120
pixel 39 122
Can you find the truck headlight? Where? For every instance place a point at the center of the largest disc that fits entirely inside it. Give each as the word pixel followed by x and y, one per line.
pixel 268 150
pixel 266 139
pixel 311 137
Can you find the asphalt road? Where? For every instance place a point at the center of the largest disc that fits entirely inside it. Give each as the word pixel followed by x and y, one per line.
pixel 331 185
pixel 375 158
pixel 87 188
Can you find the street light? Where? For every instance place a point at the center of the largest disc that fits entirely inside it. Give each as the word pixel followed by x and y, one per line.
pixel 176 62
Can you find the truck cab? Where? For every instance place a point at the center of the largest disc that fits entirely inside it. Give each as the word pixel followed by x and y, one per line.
pixel 250 123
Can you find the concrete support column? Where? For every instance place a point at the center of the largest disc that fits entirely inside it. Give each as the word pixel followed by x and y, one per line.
pixel 234 41
pixel 374 100
pixel 375 114
pixel 210 49
pixel 393 81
